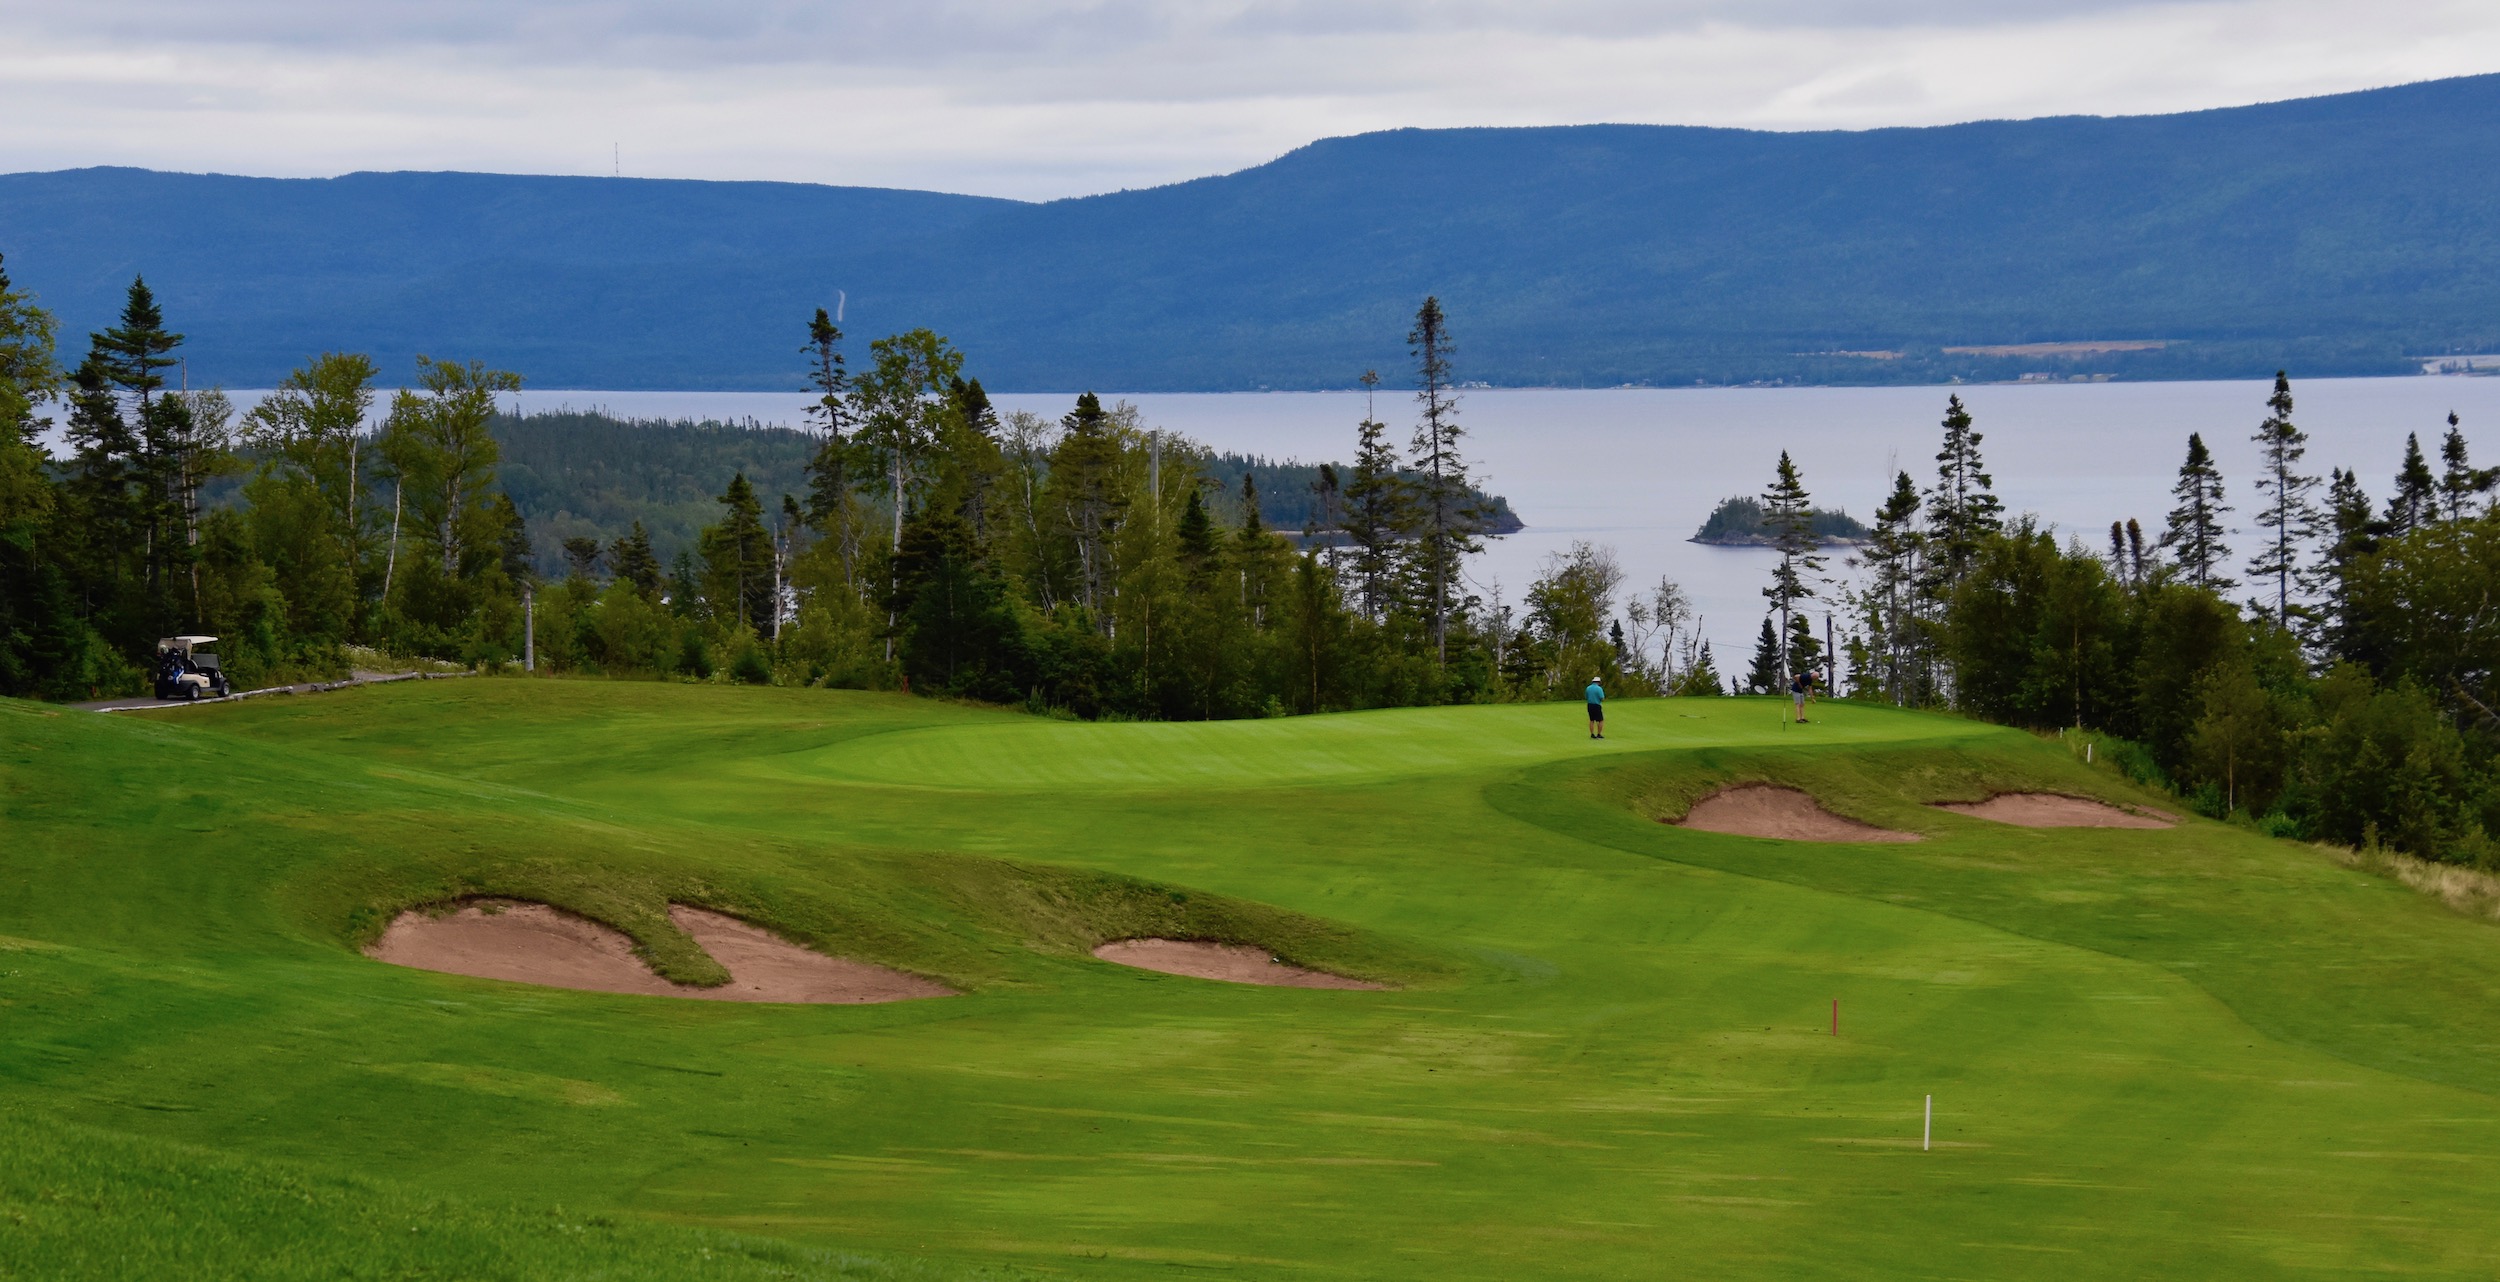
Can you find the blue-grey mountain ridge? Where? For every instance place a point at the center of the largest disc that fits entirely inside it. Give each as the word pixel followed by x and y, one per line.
pixel 2348 234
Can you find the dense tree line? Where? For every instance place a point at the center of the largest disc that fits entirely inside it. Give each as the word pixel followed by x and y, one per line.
pixel 393 536
pixel 1088 564
pixel 2349 697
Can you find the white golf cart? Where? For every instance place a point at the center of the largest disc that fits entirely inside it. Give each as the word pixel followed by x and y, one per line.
pixel 185 671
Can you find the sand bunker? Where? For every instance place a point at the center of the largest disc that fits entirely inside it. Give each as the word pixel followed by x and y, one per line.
pixel 534 944
pixel 1232 963
pixel 2053 810
pixel 1765 810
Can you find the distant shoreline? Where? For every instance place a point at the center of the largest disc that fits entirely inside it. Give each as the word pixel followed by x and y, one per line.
pixel 1765 541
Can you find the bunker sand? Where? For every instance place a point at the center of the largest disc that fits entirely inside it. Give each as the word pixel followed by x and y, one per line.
pixel 529 943
pixel 1232 963
pixel 1785 814
pixel 2054 810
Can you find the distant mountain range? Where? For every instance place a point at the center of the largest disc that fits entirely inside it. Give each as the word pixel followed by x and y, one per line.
pixel 2337 235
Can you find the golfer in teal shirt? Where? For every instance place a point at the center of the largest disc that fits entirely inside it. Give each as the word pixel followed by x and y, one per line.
pixel 1597 711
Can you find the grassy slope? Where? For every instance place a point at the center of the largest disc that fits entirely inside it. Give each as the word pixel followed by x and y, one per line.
pixel 2185 1053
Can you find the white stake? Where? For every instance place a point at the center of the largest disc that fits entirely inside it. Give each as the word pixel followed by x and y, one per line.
pixel 1927 1133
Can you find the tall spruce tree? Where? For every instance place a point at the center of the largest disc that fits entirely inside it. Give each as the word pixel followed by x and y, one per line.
pixel 135 354
pixel 1962 509
pixel 1090 501
pixel 635 564
pixel 2194 536
pixel 1766 675
pixel 1787 514
pixel 1378 513
pixel 738 561
pixel 1888 601
pixel 1195 538
pixel 2415 502
pixel 2459 479
pixel 2352 535
pixel 1445 505
pixel 1805 651
pixel 2288 520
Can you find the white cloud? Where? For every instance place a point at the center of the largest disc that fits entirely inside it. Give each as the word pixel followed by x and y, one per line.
pixel 1061 97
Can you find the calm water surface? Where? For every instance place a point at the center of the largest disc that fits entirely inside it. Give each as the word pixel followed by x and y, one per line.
pixel 1637 470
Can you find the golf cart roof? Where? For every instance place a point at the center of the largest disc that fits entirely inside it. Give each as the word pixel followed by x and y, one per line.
pixel 182 643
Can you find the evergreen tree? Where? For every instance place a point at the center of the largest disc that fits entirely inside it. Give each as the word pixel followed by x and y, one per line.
pixel 581 558
pixel 1328 495
pixel 1888 602
pixel 685 591
pixel 2195 533
pixel 2459 480
pixel 1701 676
pixel 972 468
pixel 1378 514
pixel 1089 501
pixel 635 564
pixel 738 561
pixel 1446 510
pixel 2289 518
pixel 1195 535
pixel 132 357
pixel 514 555
pixel 1766 676
pixel 2353 535
pixel 830 412
pixel 1962 509
pixel 1805 651
pixel 135 354
pixel 1787 514
pixel 831 510
pixel 2416 500
pixel 1260 556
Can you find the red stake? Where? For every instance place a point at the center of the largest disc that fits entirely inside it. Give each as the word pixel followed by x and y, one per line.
pixel 1835 1017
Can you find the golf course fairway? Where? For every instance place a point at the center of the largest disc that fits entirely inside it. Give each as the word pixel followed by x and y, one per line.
pixel 1606 1048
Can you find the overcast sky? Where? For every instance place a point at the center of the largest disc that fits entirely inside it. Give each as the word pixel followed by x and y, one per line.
pixel 1066 97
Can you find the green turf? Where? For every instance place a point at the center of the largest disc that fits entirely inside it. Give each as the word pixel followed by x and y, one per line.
pixel 2189 1053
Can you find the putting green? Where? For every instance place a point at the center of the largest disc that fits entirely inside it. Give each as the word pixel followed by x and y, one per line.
pixel 2191 1052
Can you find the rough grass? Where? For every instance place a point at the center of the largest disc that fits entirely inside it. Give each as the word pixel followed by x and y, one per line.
pixel 2469 891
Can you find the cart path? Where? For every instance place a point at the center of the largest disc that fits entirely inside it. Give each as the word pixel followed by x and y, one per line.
pixel 310 687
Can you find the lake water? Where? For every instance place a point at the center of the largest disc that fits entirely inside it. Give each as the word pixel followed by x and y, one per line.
pixel 1637 470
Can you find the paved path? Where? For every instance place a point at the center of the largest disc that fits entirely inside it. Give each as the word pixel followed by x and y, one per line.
pixel 309 687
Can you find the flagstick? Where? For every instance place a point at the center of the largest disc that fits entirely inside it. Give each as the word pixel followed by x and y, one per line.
pixel 1927 1133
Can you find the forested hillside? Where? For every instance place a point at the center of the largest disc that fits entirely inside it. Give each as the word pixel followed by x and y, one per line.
pixel 2338 235
pixel 589 475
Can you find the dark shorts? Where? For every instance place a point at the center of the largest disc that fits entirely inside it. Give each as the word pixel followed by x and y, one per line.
pixel 1597 712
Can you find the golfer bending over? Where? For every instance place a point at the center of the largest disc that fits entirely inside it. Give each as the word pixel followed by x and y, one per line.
pixel 1799 687
pixel 1597 711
